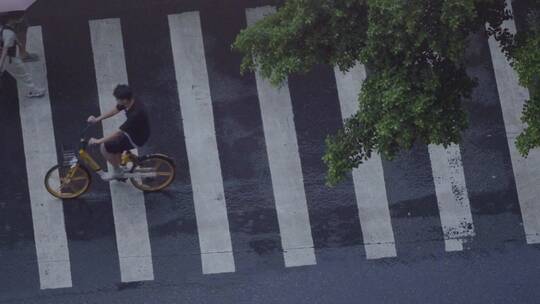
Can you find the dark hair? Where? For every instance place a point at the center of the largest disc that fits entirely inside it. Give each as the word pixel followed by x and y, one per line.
pixel 123 92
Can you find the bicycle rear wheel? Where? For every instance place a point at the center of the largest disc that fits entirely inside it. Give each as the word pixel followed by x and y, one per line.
pixel 66 182
pixel 158 172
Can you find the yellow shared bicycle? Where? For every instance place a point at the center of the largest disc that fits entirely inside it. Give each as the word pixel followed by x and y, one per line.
pixel 71 178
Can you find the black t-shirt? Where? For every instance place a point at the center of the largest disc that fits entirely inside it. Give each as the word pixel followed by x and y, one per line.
pixel 136 124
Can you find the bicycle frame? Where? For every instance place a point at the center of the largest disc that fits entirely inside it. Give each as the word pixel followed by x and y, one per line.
pixel 89 161
pixel 84 156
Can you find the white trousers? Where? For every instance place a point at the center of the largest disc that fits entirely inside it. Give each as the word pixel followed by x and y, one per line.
pixel 15 66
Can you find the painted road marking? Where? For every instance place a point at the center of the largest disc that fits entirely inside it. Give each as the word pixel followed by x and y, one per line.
pixel 40 152
pixel 368 179
pixel 452 196
pixel 132 239
pixel 201 143
pixel 526 170
pixel 285 167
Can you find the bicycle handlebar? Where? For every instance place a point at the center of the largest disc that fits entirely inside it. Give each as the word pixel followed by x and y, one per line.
pixel 84 141
pixel 85 129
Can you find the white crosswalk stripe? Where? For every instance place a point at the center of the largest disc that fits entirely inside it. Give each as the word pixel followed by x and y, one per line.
pixel 216 250
pixel 129 211
pixel 201 144
pixel 368 179
pixel 40 152
pixel 526 170
pixel 285 167
pixel 452 196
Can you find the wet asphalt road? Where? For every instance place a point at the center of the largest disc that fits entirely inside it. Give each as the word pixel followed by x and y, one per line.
pixel 499 266
pixel 505 275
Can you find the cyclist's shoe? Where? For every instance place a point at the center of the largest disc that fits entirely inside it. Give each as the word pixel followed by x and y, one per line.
pixel 36 93
pixel 109 176
pixel 115 173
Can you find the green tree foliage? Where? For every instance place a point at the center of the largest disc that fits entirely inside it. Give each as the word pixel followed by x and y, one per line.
pixel 414 51
pixel 525 54
pixel 304 33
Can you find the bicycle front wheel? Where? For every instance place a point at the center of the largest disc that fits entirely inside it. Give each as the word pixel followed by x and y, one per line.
pixel 156 173
pixel 66 182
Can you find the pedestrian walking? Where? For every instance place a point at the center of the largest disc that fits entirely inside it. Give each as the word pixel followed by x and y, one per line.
pixel 9 59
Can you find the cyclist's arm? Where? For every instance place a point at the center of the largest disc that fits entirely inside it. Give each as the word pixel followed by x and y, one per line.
pixel 109 114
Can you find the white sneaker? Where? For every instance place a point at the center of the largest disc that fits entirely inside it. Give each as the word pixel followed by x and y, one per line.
pixel 36 93
pixel 115 173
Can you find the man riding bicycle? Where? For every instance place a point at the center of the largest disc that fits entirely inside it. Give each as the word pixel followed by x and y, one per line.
pixel 134 132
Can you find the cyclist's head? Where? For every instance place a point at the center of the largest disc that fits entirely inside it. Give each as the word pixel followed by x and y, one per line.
pixel 123 94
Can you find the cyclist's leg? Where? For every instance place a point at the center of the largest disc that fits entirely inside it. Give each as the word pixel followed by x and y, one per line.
pixel 112 151
pixel 112 157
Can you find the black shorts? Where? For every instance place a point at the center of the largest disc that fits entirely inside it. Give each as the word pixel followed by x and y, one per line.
pixel 119 144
